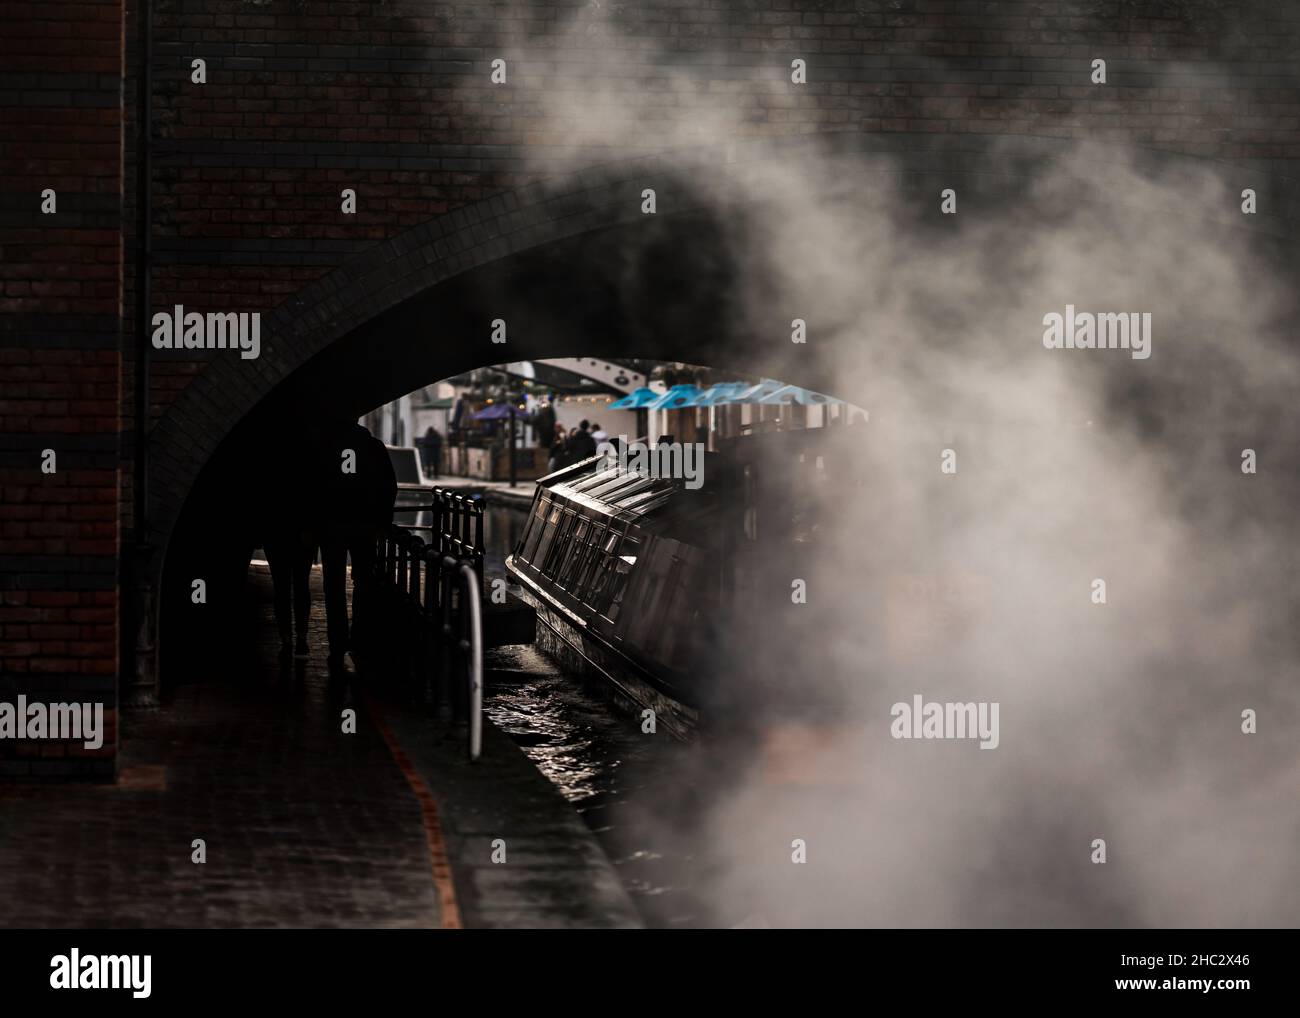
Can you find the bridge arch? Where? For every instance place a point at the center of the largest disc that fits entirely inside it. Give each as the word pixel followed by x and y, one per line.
pixel 575 267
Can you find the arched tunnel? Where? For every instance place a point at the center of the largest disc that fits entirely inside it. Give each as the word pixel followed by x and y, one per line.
pixel 707 279
pixel 1118 468
pixel 666 293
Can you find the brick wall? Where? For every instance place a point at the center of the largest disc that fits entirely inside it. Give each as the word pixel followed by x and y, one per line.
pixel 394 99
pixel 60 121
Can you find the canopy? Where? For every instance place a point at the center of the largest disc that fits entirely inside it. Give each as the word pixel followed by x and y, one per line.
pixel 676 398
pixel 679 397
pixel 638 399
pixel 723 392
pixel 756 393
pixel 499 411
pixel 793 394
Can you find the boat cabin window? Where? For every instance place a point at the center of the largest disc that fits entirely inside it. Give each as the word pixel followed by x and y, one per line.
pixel 547 536
pixel 596 539
pixel 536 524
pixel 623 564
pixel 602 570
pixel 559 549
pixel 609 580
pixel 576 549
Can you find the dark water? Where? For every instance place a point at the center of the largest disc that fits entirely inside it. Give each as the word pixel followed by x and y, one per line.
pixel 630 788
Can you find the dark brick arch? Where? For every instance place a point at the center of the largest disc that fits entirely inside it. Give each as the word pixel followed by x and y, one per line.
pixel 394 100
pixel 537 255
pixel 985 169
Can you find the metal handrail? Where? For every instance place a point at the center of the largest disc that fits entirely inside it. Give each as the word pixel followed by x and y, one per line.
pixel 474 621
pixel 457 527
pixel 400 559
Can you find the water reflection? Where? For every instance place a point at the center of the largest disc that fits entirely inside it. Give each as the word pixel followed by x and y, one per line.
pixel 630 788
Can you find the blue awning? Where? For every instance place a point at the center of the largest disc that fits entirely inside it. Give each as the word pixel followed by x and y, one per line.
pixel 756 393
pixel 677 398
pixel 768 392
pixel 638 399
pixel 788 394
pixel 721 393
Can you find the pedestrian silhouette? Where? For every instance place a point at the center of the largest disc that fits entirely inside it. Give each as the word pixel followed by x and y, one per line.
pixel 431 447
pixel 559 456
pixel 581 444
pixel 358 488
pixel 286 537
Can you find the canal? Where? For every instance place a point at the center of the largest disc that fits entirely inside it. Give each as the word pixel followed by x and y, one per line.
pixel 638 793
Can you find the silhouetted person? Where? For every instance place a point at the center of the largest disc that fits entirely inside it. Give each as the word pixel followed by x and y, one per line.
pixel 559 454
pixel 422 444
pixel 581 444
pixel 432 449
pixel 284 484
pixel 544 424
pixel 358 489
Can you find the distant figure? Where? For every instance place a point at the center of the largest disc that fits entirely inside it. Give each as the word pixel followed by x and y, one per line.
pixel 358 490
pixel 580 444
pixel 287 537
pixel 431 451
pixel 544 424
pixel 558 451
pixel 603 444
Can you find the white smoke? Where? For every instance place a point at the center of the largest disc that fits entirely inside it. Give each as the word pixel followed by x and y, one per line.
pixel 1119 721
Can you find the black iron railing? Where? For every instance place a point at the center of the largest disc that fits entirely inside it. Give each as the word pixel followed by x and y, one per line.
pixel 456 528
pixel 430 595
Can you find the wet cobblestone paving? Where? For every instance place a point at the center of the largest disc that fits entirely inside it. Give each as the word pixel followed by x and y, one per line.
pixel 304 826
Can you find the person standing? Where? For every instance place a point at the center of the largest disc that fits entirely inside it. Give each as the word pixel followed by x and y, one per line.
pixel 432 452
pixel 423 444
pixel 289 544
pixel 581 445
pixel 601 439
pixel 359 491
pixel 558 457
pixel 544 424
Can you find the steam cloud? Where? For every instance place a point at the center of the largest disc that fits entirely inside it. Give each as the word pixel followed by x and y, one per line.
pixel 1119 721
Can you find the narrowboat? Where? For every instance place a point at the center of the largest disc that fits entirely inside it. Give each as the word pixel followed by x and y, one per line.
pixel 677 594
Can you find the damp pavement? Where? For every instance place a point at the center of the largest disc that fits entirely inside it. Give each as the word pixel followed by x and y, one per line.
pixel 300 824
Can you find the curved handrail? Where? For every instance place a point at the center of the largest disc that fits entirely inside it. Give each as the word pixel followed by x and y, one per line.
pixel 475 621
pixel 471 642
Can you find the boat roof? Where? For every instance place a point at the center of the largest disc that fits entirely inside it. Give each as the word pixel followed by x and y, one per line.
pixel 601 487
